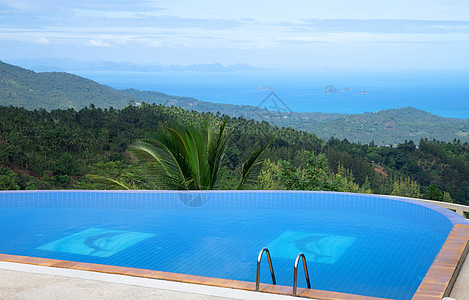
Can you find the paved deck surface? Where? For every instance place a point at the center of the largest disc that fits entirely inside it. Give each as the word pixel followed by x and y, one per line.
pixel 20 281
pixel 23 281
pixel 461 287
pixel 22 285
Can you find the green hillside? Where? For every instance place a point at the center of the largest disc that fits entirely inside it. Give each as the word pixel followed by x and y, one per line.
pixel 52 90
pixel 56 90
pixel 394 126
pixel 386 127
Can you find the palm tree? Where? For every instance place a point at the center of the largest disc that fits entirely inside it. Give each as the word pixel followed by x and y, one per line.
pixel 185 158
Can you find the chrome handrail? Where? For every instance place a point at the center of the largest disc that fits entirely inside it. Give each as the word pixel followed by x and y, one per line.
pixel 295 272
pixel 258 273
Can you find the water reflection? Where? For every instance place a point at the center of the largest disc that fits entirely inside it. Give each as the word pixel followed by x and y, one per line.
pixel 194 199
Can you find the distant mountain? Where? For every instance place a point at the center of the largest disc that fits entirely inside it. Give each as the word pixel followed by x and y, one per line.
pixel 52 90
pixel 65 64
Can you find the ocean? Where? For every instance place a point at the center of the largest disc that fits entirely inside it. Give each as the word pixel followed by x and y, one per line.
pixel 443 93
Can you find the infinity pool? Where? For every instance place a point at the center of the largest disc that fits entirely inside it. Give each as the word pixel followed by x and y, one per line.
pixel 357 244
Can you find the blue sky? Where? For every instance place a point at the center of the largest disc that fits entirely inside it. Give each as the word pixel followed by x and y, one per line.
pixel 353 34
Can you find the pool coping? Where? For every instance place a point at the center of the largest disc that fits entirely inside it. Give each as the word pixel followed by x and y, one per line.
pixel 437 283
pixel 440 278
pixel 177 277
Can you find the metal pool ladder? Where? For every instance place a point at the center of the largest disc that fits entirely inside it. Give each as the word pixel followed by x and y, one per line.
pixel 258 273
pixel 295 272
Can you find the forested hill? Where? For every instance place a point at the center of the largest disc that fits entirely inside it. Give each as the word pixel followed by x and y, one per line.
pixel 55 90
pixel 393 126
pixel 51 90
pixel 56 149
pixel 386 127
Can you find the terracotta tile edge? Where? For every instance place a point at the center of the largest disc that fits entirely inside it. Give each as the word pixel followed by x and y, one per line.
pixel 446 267
pixel 193 279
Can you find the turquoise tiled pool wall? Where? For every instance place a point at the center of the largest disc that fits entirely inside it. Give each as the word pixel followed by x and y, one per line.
pixel 406 209
pixel 375 245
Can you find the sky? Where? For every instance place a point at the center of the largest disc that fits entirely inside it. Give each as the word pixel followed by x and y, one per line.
pixel 308 34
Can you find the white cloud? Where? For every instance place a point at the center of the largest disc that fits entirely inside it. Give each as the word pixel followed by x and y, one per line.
pixel 155 44
pixel 97 43
pixel 112 14
pixel 42 41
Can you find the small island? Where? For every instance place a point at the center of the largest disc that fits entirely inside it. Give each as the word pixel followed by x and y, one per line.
pixel 330 89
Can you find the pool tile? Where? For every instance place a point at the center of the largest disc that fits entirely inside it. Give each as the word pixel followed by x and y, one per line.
pixel 434 285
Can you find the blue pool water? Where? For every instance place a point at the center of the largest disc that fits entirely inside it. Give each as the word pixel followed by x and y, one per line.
pixel 355 244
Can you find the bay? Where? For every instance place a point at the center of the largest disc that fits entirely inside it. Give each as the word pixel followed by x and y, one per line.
pixel 443 93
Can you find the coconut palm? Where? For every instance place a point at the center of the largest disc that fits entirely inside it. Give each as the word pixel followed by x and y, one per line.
pixel 185 158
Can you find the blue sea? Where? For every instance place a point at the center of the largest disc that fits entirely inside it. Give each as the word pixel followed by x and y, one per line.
pixel 443 93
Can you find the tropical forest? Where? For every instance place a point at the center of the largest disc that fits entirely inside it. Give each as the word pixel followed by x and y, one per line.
pixel 144 145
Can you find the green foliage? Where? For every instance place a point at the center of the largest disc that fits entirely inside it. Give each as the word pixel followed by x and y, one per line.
pixel 316 176
pixel 432 192
pixel 268 178
pixel 56 149
pixel 252 166
pixel 345 182
pixel 406 188
pixel 9 180
pixel 447 197
pixel 184 158
pixel 124 176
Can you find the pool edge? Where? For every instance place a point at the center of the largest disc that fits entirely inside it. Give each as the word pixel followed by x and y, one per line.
pixel 442 274
pixel 184 278
pixel 437 283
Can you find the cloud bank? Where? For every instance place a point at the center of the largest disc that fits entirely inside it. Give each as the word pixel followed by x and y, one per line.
pixel 303 33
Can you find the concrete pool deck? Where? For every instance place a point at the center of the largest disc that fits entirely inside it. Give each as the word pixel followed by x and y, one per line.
pixel 23 281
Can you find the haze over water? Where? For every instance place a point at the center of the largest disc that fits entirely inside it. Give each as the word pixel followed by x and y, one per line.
pixel 443 93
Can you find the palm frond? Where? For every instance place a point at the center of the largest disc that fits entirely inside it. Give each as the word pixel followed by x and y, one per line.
pixel 182 158
pixel 159 154
pixel 216 150
pixel 252 166
pixel 194 156
pixel 110 181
